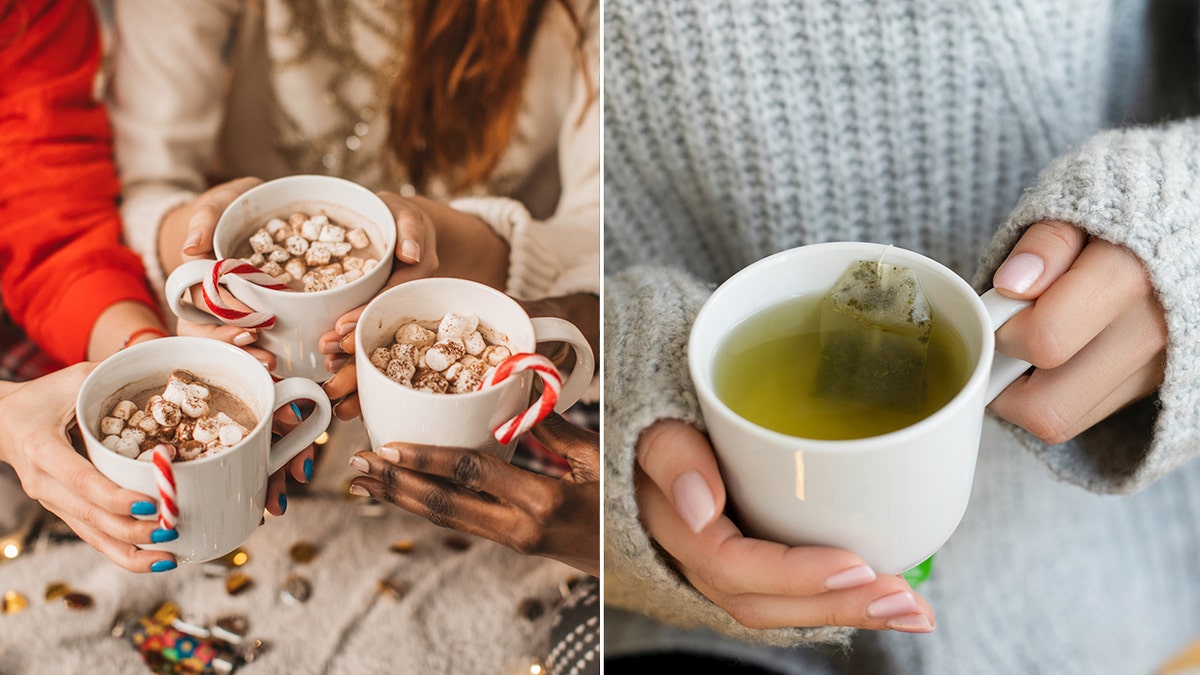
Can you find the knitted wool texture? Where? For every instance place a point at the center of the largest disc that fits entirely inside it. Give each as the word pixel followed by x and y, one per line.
pixel 735 130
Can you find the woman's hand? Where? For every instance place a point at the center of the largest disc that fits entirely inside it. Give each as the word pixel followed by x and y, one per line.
pixel 435 240
pixel 187 231
pixel 1096 333
pixel 33 440
pixel 759 583
pixel 480 494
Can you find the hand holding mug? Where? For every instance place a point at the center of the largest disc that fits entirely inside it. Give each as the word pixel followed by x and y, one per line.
pixel 33 421
pixel 761 584
pixel 1096 332
pixel 481 494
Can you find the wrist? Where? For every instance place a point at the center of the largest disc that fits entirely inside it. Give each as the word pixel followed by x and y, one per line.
pixel 121 325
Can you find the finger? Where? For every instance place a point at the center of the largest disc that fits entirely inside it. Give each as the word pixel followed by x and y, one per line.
pixel 86 493
pixel 343 383
pixel 301 466
pixel 580 447
pixel 410 229
pixel 721 559
pixel 476 471
pixel 680 461
pixel 277 493
pixel 886 603
pixel 348 321
pixel 1057 404
pixel 1043 254
pixel 443 504
pixel 122 553
pixel 1103 285
pixel 234 335
pixel 348 408
pixel 207 211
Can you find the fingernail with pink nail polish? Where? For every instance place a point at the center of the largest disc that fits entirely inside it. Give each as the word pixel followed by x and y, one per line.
pixel 894 605
pixel 910 623
pixel 359 463
pixel 243 338
pixel 849 578
pixel 694 500
pixel 193 240
pixel 1019 273
pixel 410 250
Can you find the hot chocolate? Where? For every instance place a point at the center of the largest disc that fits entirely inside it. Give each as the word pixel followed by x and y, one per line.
pixel 447 356
pixel 313 249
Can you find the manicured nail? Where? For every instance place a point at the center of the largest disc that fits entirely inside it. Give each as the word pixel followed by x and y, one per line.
pixel 243 338
pixel 894 605
pixel 694 500
pixel 296 410
pixel 356 489
pixel 345 328
pixel 336 364
pixel 308 470
pixel 162 565
pixel 360 464
pixel 283 503
pixel 910 623
pixel 160 535
pixel 389 453
pixel 849 578
pixel 1019 273
pixel 143 508
pixel 193 240
pixel 411 250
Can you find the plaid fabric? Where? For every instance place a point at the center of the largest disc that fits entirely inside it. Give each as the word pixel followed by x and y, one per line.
pixel 21 359
pixel 533 456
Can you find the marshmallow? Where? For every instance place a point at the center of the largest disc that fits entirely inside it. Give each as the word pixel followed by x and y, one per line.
pixel 317 256
pixel 369 264
pixel 380 357
pixel 494 355
pixel 400 370
pixel 271 267
pixel 443 353
pixel 128 447
pixel 332 233
pixel 297 245
pixel 275 225
pixel 297 219
pixel 414 334
pixel 352 262
pixel 296 267
pixel 279 255
pixel 206 430
pixel 258 260
pixel 123 410
pixel 262 242
pixel 457 326
pixel 474 343
pixel 166 413
pixel 358 238
pixel 111 425
pixel 428 380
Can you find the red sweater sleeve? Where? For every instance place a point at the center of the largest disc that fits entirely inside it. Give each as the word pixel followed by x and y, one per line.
pixel 61 260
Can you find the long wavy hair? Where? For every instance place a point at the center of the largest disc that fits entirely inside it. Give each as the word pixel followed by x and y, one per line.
pixel 455 104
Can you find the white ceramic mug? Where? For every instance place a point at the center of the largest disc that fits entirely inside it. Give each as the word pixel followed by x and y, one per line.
pixel 220 497
pixel 394 412
pixel 893 499
pixel 300 317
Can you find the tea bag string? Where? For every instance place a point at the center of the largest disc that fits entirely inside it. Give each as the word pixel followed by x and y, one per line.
pixel 879 265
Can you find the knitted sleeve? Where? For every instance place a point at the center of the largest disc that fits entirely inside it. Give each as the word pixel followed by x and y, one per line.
pixel 166 107
pixel 648 313
pixel 1134 187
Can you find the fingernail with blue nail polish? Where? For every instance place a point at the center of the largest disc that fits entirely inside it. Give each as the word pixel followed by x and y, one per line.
pixel 162 565
pixel 143 509
pixel 308 470
pixel 283 503
pixel 160 535
pixel 296 409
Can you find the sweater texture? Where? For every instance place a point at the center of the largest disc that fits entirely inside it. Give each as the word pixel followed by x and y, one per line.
pixel 734 130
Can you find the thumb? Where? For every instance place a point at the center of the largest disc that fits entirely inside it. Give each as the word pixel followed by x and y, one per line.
pixel 579 446
pixel 1043 254
pixel 680 461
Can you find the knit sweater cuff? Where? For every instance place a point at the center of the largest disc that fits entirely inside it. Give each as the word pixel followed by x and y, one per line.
pixel 142 210
pixel 648 314
pixel 539 265
pixel 1135 188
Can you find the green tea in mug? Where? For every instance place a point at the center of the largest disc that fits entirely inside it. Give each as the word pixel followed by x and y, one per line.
pixel 765 370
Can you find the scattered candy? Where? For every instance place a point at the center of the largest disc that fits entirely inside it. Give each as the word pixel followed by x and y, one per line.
pixel 296 590
pixel 391 588
pixel 231 628
pixel 456 543
pixel 531 608
pixel 14 602
pixel 57 590
pixel 237 583
pixel 403 547
pixel 303 551
pixel 78 601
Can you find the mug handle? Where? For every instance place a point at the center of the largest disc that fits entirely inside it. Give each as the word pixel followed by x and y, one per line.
pixel 306 432
pixel 552 329
pixel 1005 369
pixel 183 278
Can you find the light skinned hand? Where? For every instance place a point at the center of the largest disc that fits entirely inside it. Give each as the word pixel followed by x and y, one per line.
pixel 761 584
pixel 1096 334
pixel 33 439
pixel 480 494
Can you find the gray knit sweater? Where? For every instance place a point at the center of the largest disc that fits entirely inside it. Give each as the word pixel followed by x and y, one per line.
pixel 735 129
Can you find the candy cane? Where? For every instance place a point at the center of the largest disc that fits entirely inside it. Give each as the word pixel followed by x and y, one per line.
pixel 164 478
pixel 525 421
pixel 248 272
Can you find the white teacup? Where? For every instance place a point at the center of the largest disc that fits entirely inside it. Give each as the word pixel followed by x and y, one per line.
pixel 221 497
pixel 893 499
pixel 394 412
pixel 300 317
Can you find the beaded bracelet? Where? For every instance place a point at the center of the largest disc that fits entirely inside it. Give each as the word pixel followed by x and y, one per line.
pixel 147 330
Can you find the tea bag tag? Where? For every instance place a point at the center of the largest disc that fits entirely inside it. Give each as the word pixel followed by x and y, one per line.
pixel 875 327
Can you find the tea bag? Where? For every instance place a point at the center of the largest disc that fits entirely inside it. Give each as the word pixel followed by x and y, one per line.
pixel 875 327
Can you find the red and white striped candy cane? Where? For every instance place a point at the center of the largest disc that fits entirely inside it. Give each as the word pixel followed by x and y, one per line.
pixel 551 379
pixel 248 272
pixel 164 478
